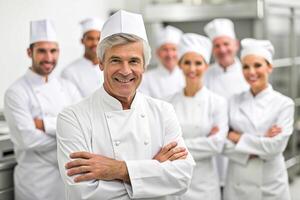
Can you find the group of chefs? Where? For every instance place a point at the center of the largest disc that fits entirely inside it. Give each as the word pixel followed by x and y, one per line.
pixel 108 128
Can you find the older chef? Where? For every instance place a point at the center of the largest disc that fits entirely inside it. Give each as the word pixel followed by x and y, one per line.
pixel 224 77
pixel 106 143
pixel 261 122
pixel 202 116
pixel 31 106
pixel 84 72
pixel 166 79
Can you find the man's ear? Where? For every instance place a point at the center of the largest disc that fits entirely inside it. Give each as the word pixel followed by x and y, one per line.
pixel 157 51
pixel 101 65
pixel 29 52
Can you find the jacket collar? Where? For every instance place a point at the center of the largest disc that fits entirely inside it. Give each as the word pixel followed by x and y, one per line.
pixel 236 66
pixel 262 98
pixel 36 79
pixel 251 103
pixel 202 93
pixel 112 104
pixel 166 72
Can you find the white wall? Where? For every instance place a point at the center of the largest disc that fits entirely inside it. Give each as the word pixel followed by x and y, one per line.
pixel 66 14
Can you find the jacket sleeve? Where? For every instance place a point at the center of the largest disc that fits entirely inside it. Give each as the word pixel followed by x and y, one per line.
pixel 231 153
pixel 22 128
pixel 266 147
pixel 67 75
pixel 50 125
pixel 73 96
pixel 71 90
pixel 204 147
pixel 71 137
pixel 230 148
pixel 150 178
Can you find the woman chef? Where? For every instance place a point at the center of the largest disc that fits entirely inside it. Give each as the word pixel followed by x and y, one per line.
pixel 202 115
pixel 261 122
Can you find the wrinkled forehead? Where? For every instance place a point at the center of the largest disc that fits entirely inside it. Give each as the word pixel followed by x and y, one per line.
pixel 223 39
pixel 168 46
pixel 92 33
pixel 126 51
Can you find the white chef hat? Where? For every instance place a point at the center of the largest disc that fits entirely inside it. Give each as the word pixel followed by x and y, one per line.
pixel 191 42
pixel 42 31
pixel 263 48
pixel 169 34
pixel 220 27
pixel 90 24
pixel 124 22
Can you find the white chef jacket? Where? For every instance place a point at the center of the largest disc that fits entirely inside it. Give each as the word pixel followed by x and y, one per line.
pixel 161 83
pixel 197 116
pixel 36 175
pixel 225 83
pixel 85 75
pixel 100 125
pixel 265 177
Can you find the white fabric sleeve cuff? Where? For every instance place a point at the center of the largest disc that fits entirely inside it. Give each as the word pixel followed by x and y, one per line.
pixel 50 125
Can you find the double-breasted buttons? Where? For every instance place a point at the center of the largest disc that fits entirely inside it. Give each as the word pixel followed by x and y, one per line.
pixel 117 143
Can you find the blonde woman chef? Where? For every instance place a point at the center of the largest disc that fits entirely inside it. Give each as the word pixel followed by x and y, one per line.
pixel 202 116
pixel 261 122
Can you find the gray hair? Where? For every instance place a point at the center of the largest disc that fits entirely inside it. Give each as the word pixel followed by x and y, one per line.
pixel 121 39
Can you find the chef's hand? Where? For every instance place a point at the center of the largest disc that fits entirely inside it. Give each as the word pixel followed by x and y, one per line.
pixel 171 152
pixel 273 131
pixel 39 124
pixel 234 136
pixel 90 166
pixel 213 131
